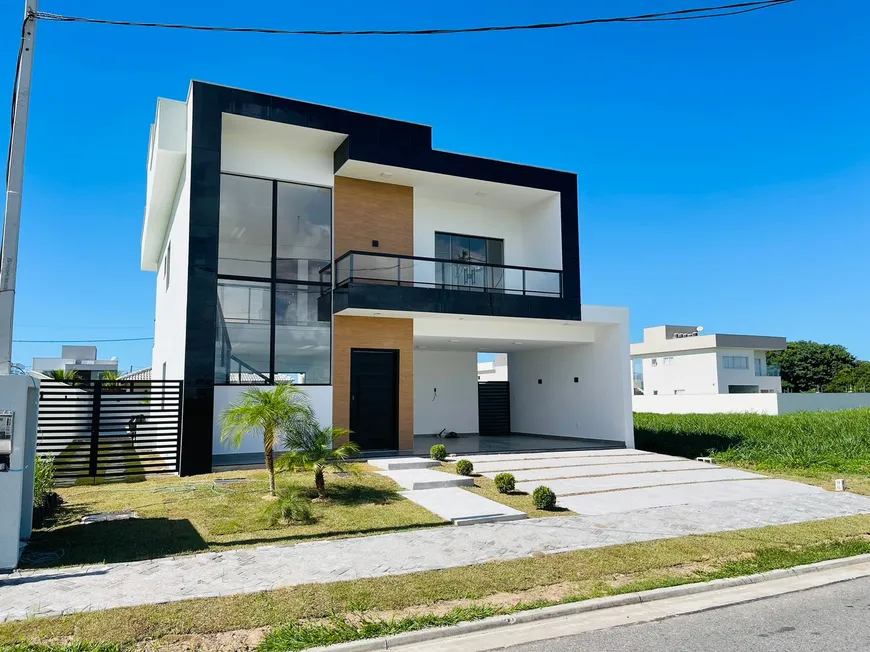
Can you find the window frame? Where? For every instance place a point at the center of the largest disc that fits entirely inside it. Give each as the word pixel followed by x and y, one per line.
pixel 728 362
pixel 274 281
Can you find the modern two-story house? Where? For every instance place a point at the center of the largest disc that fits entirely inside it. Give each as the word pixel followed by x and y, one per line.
pixel 675 360
pixel 340 251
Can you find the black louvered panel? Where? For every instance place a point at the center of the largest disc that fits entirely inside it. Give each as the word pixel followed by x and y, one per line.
pixel 494 408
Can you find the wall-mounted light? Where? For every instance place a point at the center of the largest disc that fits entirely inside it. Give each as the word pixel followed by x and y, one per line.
pixel 386 175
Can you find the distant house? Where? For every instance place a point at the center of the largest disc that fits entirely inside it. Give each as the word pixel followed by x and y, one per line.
pixel 680 360
pixel 139 374
pixel 81 359
pixel 494 370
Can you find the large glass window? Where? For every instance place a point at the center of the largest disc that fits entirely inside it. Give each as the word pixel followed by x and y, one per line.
pixel 301 340
pixel 304 234
pixel 244 328
pixel 267 329
pixel 245 235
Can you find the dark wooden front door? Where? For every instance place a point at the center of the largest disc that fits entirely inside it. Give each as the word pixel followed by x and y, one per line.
pixel 374 398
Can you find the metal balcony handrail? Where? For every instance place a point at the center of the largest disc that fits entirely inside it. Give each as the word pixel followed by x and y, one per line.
pixel 439 260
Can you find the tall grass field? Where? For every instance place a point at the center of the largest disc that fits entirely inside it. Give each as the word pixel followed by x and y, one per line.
pixel 821 441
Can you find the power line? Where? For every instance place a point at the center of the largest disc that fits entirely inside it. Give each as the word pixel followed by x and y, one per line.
pixel 124 339
pixel 699 13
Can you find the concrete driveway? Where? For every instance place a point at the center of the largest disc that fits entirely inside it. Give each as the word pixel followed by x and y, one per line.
pixel 613 481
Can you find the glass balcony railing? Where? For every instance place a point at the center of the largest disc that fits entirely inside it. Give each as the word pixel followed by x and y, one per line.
pixel 415 271
pixel 771 370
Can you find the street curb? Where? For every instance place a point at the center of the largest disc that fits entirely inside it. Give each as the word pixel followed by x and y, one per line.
pixel 595 604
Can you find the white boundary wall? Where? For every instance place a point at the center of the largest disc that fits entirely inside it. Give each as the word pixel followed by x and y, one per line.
pixel 739 403
pixel 321 401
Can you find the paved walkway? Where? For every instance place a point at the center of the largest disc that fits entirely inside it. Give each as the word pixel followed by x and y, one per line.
pixel 69 590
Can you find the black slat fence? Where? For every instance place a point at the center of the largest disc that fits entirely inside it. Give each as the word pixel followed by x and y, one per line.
pixel 110 428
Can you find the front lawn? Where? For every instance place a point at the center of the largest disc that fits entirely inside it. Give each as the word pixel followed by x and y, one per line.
pixel 186 515
pixel 811 447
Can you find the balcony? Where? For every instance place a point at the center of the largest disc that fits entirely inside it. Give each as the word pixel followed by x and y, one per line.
pixel 367 280
pixel 771 370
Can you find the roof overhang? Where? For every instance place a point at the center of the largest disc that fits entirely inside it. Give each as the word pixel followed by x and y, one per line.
pixel 166 156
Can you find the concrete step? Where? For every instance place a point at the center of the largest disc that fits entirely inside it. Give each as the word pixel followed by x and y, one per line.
pixel 574 486
pixel 462 507
pixel 420 479
pixel 400 463
pixel 630 500
pixel 604 469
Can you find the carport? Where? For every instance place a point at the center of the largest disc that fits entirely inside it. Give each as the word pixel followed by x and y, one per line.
pixel 568 384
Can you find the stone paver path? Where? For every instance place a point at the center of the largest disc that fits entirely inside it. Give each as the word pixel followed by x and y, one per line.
pixel 68 590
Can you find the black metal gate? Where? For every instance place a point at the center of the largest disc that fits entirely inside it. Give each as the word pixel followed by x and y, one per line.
pixel 494 408
pixel 110 428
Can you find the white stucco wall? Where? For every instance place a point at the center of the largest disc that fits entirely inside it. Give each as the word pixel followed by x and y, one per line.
pixel 693 372
pixel 758 403
pixel 170 311
pixel 274 151
pixel 321 401
pixel 529 236
pixel 597 406
pixel 821 402
pixel 454 405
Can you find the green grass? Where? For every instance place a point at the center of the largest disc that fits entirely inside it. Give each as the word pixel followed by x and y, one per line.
pixel 520 500
pixel 309 613
pixel 186 515
pixel 803 442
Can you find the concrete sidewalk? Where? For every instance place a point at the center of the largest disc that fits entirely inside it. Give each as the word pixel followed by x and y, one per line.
pixel 68 590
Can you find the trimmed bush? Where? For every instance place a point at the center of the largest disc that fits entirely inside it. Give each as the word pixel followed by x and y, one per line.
pixel 291 508
pixel 438 452
pixel 43 480
pixel 464 467
pixel 544 498
pixel 505 483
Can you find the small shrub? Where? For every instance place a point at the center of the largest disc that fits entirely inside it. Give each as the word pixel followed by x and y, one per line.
pixel 291 508
pixel 438 452
pixel 505 483
pixel 464 467
pixel 43 481
pixel 544 498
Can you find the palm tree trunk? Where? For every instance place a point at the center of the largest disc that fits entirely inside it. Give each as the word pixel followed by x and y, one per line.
pixel 320 483
pixel 270 463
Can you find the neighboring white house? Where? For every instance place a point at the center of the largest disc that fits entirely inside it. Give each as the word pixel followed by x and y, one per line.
pixel 493 370
pixel 81 359
pixel 675 360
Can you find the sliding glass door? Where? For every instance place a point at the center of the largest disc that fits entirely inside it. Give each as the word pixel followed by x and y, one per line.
pixel 467 254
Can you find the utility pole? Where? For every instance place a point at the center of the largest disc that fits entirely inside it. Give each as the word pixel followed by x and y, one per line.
pixel 14 186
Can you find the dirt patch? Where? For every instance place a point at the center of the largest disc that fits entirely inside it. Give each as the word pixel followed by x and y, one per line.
pixel 243 640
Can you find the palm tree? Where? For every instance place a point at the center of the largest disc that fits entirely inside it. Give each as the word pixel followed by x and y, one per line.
pixel 65 375
pixel 283 408
pixel 314 449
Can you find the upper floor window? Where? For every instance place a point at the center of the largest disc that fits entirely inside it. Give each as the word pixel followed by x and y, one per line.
pixel 669 360
pixel 757 366
pixel 469 252
pixel 735 362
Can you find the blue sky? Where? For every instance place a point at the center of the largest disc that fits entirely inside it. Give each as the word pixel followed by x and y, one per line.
pixel 724 165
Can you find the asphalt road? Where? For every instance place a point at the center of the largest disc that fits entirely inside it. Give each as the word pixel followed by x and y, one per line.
pixel 834 618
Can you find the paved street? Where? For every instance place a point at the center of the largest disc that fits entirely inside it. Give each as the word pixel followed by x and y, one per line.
pixel 68 590
pixel 834 618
